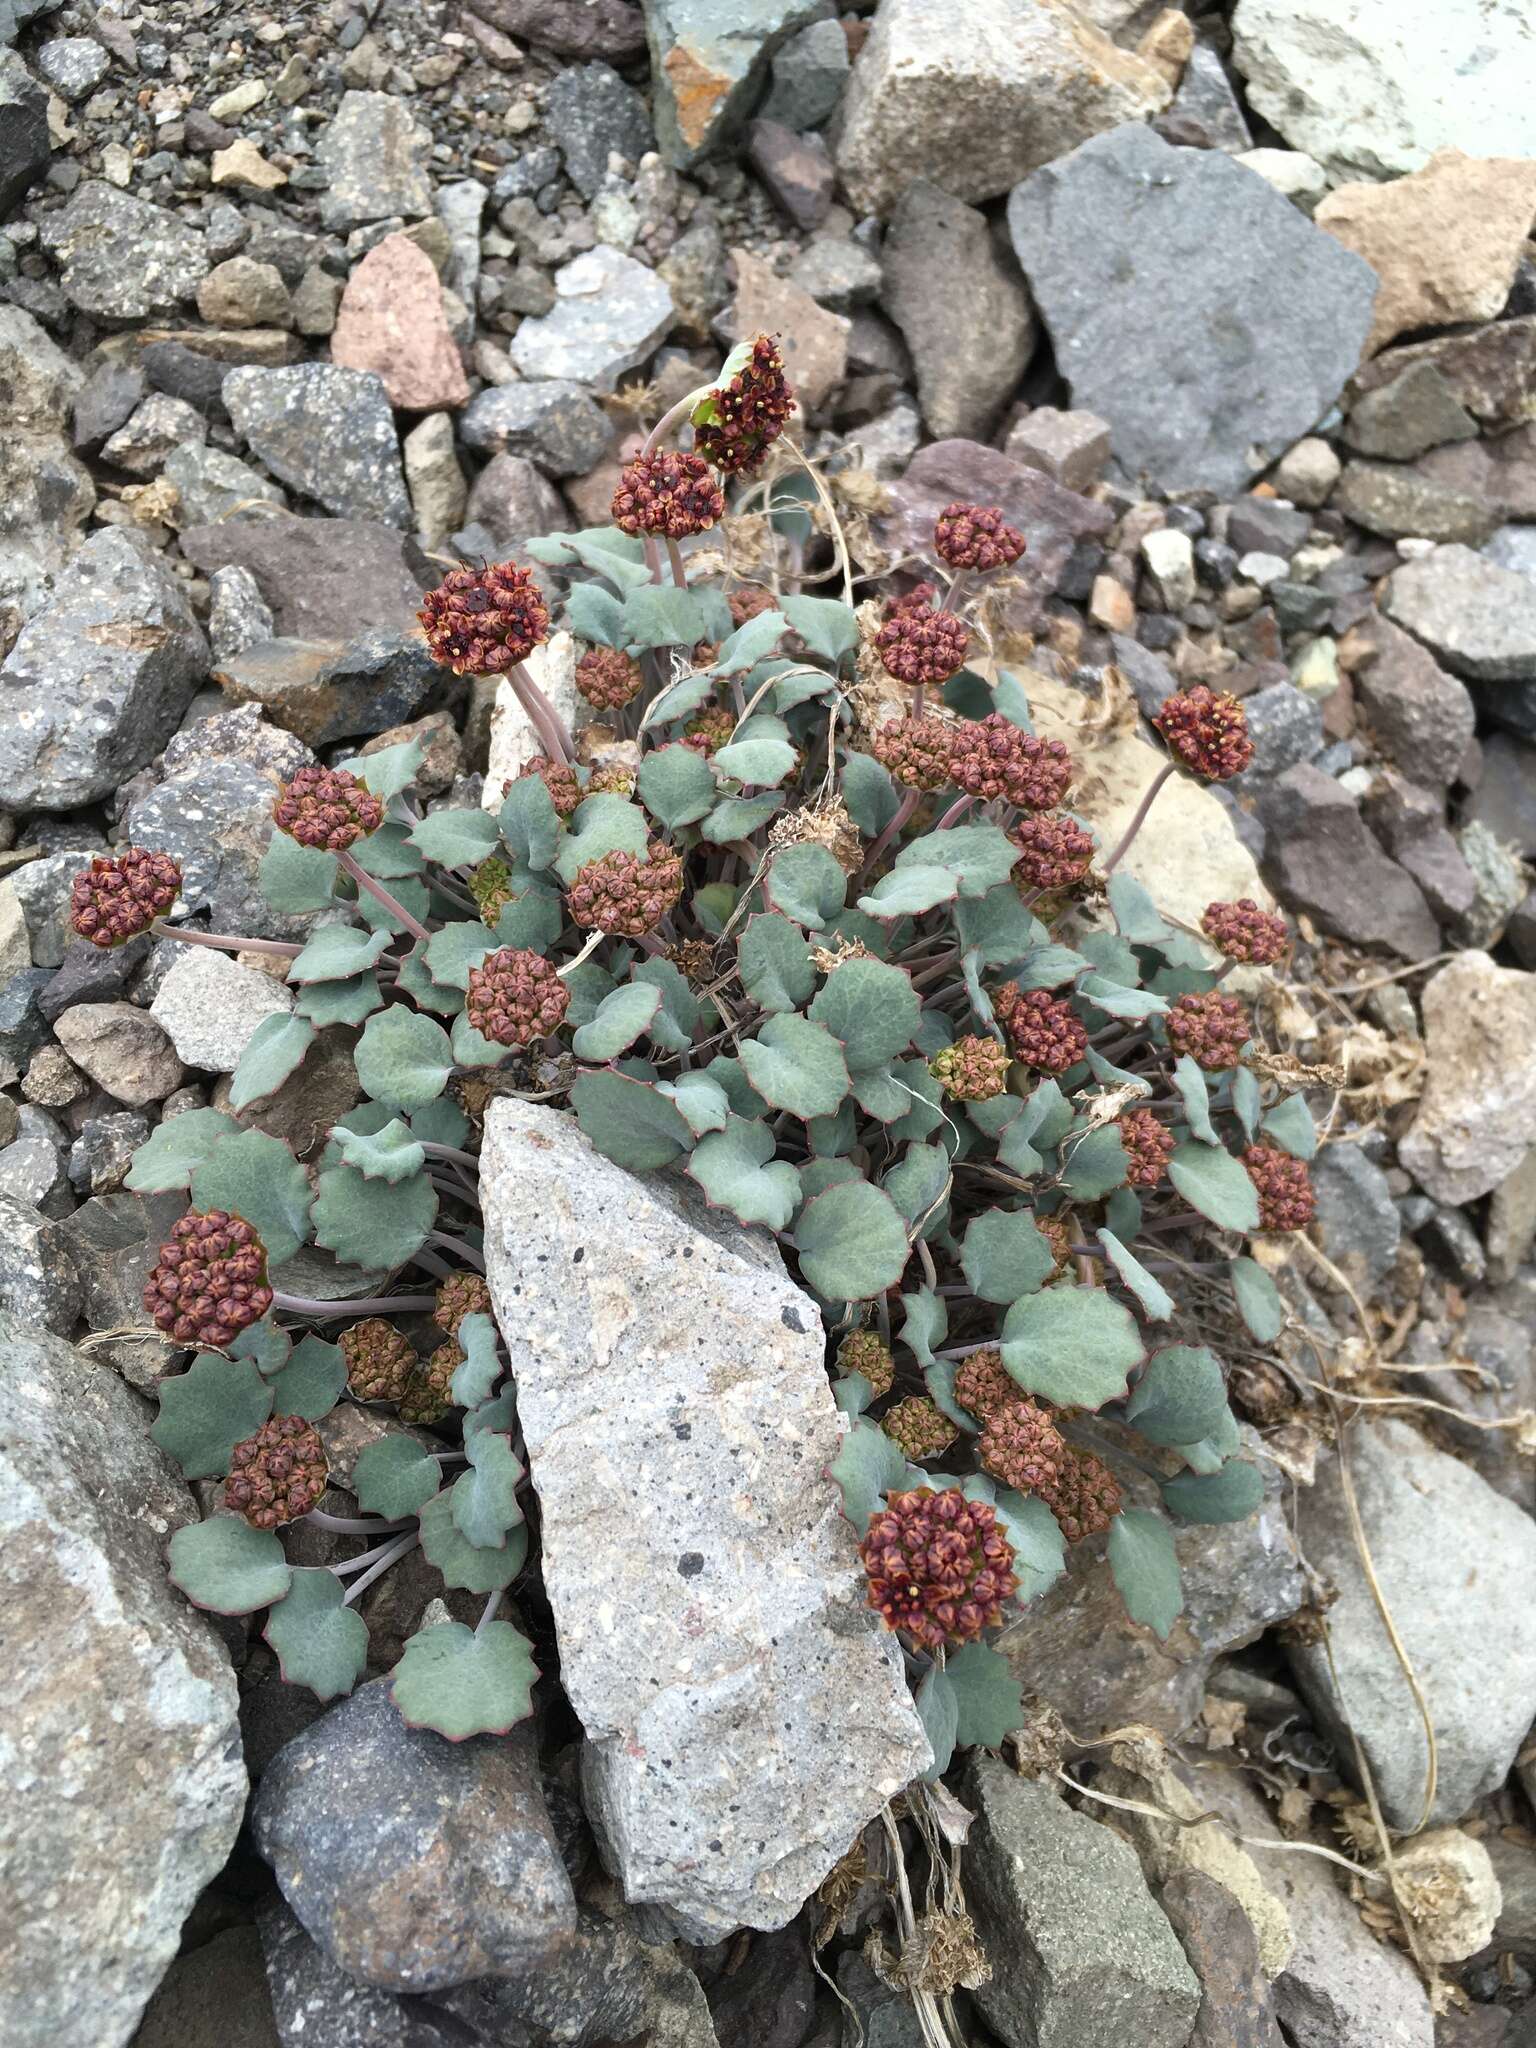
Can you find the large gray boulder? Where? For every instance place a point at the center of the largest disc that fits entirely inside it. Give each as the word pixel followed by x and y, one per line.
pixel 45 492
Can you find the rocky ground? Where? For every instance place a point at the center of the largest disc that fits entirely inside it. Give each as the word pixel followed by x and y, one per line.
pixel 300 303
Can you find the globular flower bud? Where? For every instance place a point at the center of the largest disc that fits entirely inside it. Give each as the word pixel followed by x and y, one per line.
pixel 1244 932
pixel 973 1069
pixel 515 997
pixel 709 730
pixel 748 601
pixel 1283 1186
pixel 866 1352
pixel 983 1383
pixel 1057 1234
pixel 614 780
pixel 379 1360
pixel 1208 731
pixel 1212 1028
pixel 609 678
pixel 920 1427
pixel 624 896
pixel 429 1397
pixel 565 792
pixel 1054 852
pixel 461 1295
pixel 991 758
pixel 210 1280
pixel 482 622
pixel 328 808
pixel 278 1474
pixel 920 645
pixel 1044 1031
pixel 114 900
pixel 1148 1145
pixel 920 598
pixel 976 537
pixel 915 750
pixel 1022 1447
pixel 667 493
pixel 1086 1498
pixel 939 1567
pixel 491 886
pixel 735 426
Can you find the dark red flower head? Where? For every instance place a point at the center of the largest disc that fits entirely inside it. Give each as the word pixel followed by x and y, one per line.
pixel 983 1383
pixel 990 757
pixel 609 678
pixel 1054 852
pixel 565 792
pixel 1212 1028
pixel 1284 1188
pixel 278 1474
pixel 973 1069
pixel 709 730
pixel 976 537
pixel 734 427
pixel 866 1352
pixel 210 1280
pixel 482 622
pixel 667 493
pixel 915 750
pixel 1244 932
pixel 920 1427
pixel 920 645
pixel 1148 1145
pixel 1208 731
pixel 327 808
pixel 1045 1031
pixel 920 598
pixel 114 900
pixel 624 896
pixel 939 1567
pixel 748 600
pixel 515 997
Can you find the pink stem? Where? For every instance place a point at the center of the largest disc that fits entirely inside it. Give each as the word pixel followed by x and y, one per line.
pixel 381 895
pixel 362 1305
pixel 1140 817
pixel 280 949
pixel 909 802
pixel 956 810
pixel 551 727
pixel 675 557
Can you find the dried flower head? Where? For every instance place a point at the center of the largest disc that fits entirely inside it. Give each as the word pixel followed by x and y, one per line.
pixel 735 426
pixel 920 1427
pixel 515 997
pixel 613 780
pixel 1054 852
pixel 939 1567
pixel 990 758
pixel 379 1360
pixel 210 1280
pixel 1283 1186
pixel 112 901
pixel 1244 932
pixel 1022 1447
pixel 976 537
pixel 920 645
pixel 983 1383
pixel 1148 1146
pixel 1058 1235
pixel 748 601
pixel 1208 732
pixel 1086 1499
pixel 278 1474
pixel 491 886
pixel 328 808
pixel 973 1069
pixel 915 751
pixel 461 1295
pixel 482 622
pixel 866 1352
pixel 623 896
pixel 1211 1028
pixel 429 1397
pixel 709 730
pixel 609 678
pixel 667 493
pixel 1044 1031
pixel 565 792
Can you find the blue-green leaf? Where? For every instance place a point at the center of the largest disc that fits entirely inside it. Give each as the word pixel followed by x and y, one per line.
pixel 1290 1124
pixel 257 1178
pixel 852 1242
pixel 1216 1184
pixel 393 1153
pixel 676 785
pixel 176 1148
pixel 320 1643
pixel 1180 1397
pixel 630 1122
pixel 462 1681
pixel 1004 1256
pixel 1145 1566
pixel 312 1381
pixel 275 1049
pixel 806 883
pixel 866 1468
pixel 796 1065
pixel 394 1476
pixel 403 1058
pixel 208 1409
pixel 484 1499
pixel 336 952
pixel 1230 1495
pixel 370 1222
pixel 1074 1346
pixel 988 1698
pixel 1155 1299
pixel 621 1018
pixel 736 1169
pixel 1258 1300
pixel 774 962
pixel 227 1567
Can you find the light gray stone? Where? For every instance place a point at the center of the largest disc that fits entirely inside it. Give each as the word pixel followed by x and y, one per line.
pixel 1189 305
pixel 43 889
pixel 1477 1115
pixel 211 483
pixel 1401 505
pixel 123 1050
pixel 327 431
pixel 704 1584
pixel 121 258
pixel 434 479
pixel 708 62
pixel 100 1157
pixel 160 424
pixel 552 420
pixel 209 1005
pixel 837 273
pixel 238 614
pixel 1357 1219
pixel 376 156
pixel 125 1787
pixel 45 493
pixel 38 1282
pixel 73 65
pixel 610 312
pixel 809 74
pixel 1478 618
pixel 1414 413
pixel 1071 447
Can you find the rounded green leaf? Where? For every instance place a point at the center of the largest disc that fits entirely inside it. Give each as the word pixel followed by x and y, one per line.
pixel 462 1681
pixel 483 1499
pixel 1151 1294
pixel 1180 1397
pixel 827 627
pixel 312 1381
pixel 1290 1124
pixel 601 824
pixel 228 1567
pixel 796 1065
pixel 450 953
pixel 205 1411
pixel 774 962
pixel 908 892
pixel 265 1345
pixel 872 1007
pixel 806 883
pixel 989 1703
pixel 1217 1184
pixel 630 1122
pixel 1145 1566
pixel 336 952
pixel 391 769
pixel 939 1711
pixel 1230 1495
pixel 403 1058
pixel 1258 1299
pixel 176 1148
pixel 339 1002
pixel 1094 1164
pixel 736 1169
pixel 297 878
pixel 866 1469
pixel 370 1222
pixel 852 1242
pixel 276 1048
pixel 480 1368
pixel 392 1153
pixel 257 1177
pixel 394 1477
pixel 675 1022
pixel 1005 1256
pixel 1039 1547
pixel 981 856
pixel 530 824
pixel 464 1564
pixel 869 792
pixel 319 1642
pixel 456 838
pixel 1074 1346
pixel 676 786
pixel 622 1017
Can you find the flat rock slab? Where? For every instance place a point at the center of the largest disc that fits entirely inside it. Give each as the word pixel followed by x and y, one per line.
pixel 122 258
pixel 1477 1117
pixel 1191 306
pixel 745 1716
pixel 709 59
pixel 323 578
pixel 392 322
pixel 1478 618
pixel 609 313
pixel 209 1006
pixel 327 431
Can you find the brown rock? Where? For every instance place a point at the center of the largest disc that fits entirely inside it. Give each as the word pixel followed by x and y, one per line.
pixel 1237 2009
pixel 1421 716
pixel 1168 44
pixel 323 578
pixel 243 164
pixel 1444 241
pixel 392 321
pixel 795 169
pixel 610 29
pixel 439 764
pixel 1111 605
pixel 1500 470
pixel 243 293
pixel 122 1049
pixel 813 341
pixel 1490 370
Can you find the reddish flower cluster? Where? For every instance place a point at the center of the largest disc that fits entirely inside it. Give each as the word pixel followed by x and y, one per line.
pixel 973 1069
pixel 609 678
pixel 278 1474
pixel 709 730
pixel 1086 1500
pixel 1244 932
pixel 461 1295
pixel 1044 1031
pixel 866 1352
pixel 515 997
pixel 1212 1028
pixel 210 1280
pixel 920 1427
pixel 983 1383
pixel 482 622
pixel 1148 1145
pixel 429 1397
pixel 379 1360
pixel 1054 852
pixel 915 751
pixel 1022 1447
pixel 744 417
pixel 114 900
pixel 565 792
pixel 667 493
pixel 920 645
pixel 328 808
pixel 1283 1186
pixel 939 1567
pixel 976 537
pixel 748 601
pixel 1208 731
pixel 623 896
pixel 990 758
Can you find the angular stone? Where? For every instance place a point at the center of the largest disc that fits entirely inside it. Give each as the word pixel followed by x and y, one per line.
pixel 315 2004
pixel 122 259
pixel 1081 1955
pixel 1357 1220
pixel 572 28
pixel 1414 413
pixel 1410 823
pixel 392 322
pixel 326 690
pixel 953 288
pixel 973 113
pixel 1190 306
pixel 45 493
pixel 376 157
pixel 514 502
pixel 1237 2007
pixel 434 479
pixel 323 578
pixel 211 483
pixel 326 431
pixel 160 424
pixel 595 115
pixel 122 1049
pixel 1421 715
pixel 43 888
pixel 1449 1554
pixel 1477 1116
pixel 1325 861
pixel 25 147
pixel 639 1319
pixel 610 312
pixel 100 1157
pixel 97 680
pixel 112 1242
pixel 1399 504
pixel 1290 172
pixel 1504 802
pixel 38 1282
pixel 1308 472
pixel 1478 618
pixel 1072 447
pixel 125 1704
pixel 810 72
pixel 553 420
pixel 1487 369
pixel 209 1006
pixel 795 170
pixel 22 1026
pixel 240 292
pixel 708 62
pixel 812 341
pixel 1205 113
pixel 216 1991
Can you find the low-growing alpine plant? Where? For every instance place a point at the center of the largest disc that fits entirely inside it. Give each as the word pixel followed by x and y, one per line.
pixel 859 974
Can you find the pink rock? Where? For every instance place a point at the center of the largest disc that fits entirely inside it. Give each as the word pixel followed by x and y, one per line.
pixel 392 321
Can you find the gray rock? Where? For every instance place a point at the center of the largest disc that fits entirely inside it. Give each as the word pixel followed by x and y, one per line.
pixel 1081 1955
pixel 327 431
pixel 217 1991
pixel 123 1050
pixel 323 578
pixel 1190 305
pixel 1514 547
pixel 886 444
pixel 1478 618
pixel 240 292
pixel 953 288
pixel 1325 861
pixel 112 1242
pixel 209 1006
pixel 1434 1527
pixel 1477 1116
pixel 595 115
pixel 238 614
pixel 514 502
pixel 160 424
pixel 125 1698
pixel 1205 113
pixel 22 1025
pixel 1264 526
pixel 25 149
pixel 1307 472
pixel 838 274
pixel 375 157
pixel 1410 823
pixel 73 65
pixel 37 1279
pixel 1072 447
pixel 716 1299
pixel 416 1863
pixel 45 493
pixel 1237 2007
pixel 434 479
pixel 610 313
pixel 554 421
pixel 211 483
pixel 105 401
pixel 97 680
pixel 1416 412
pixel 795 171
pixel 33 1165
pixel 326 690
pixel 1357 1219
pixel 100 1157
pixel 769 2001
pixel 1421 716
pixel 42 888
pixel 1499 883
pixel 1399 504
pixel 875 2014
pixel 460 207
pixel 1505 798
pixel 1286 728
pixel 121 258
pixel 315 2004
pixel 808 77
pixel 708 62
